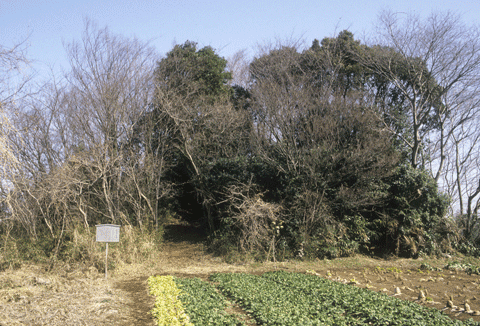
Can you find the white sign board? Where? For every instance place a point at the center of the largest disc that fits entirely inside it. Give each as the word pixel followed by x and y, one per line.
pixel 108 233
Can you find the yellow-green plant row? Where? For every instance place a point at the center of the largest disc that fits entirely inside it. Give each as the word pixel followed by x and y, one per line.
pixel 168 309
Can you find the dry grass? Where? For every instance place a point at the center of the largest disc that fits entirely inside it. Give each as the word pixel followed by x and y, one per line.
pixel 30 296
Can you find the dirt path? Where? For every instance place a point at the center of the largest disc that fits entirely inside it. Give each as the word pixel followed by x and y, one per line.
pixel 138 302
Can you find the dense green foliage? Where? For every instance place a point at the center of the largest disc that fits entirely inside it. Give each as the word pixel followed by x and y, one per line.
pixel 302 139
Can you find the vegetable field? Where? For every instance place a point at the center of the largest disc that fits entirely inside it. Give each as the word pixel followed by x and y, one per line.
pixel 283 298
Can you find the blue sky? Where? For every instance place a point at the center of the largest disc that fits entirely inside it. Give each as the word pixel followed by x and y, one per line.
pixel 227 26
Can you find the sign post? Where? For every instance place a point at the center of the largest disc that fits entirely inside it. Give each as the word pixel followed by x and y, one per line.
pixel 107 233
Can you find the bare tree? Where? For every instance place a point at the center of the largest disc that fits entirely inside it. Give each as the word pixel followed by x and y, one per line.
pixel 111 78
pixel 462 177
pixel 434 65
pixel 70 136
pixel 9 165
pixel 238 65
pixel 15 72
pixel 111 87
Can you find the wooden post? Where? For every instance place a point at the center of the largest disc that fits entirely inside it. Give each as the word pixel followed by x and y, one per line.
pixel 106 257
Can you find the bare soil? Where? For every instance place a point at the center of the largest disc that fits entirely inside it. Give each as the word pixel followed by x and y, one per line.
pixel 33 296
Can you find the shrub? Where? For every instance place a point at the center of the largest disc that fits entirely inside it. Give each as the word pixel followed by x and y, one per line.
pixel 415 215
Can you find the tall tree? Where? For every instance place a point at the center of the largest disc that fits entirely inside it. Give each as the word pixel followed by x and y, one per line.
pixel 193 100
pixel 14 77
pixel 315 129
pixel 111 86
pixel 15 73
pixel 432 65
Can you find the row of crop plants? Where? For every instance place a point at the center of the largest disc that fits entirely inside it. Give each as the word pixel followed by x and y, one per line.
pixel 196 302
pixel 283 298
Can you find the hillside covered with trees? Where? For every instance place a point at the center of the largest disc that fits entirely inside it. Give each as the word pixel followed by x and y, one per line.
pixel 336 148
